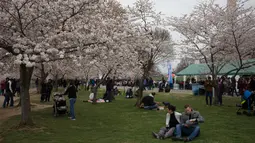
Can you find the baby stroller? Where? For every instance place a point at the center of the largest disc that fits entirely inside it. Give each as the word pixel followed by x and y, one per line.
pixel 247 104
pixel 59 105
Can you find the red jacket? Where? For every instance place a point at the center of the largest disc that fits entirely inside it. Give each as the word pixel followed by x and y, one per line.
pixel 3 85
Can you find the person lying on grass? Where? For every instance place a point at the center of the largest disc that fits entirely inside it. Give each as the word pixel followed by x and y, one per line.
pixel 173 118
pixel 189 125
pixel 148 102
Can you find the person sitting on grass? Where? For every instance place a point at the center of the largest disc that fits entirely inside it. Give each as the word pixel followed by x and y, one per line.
pixel 173 118
pixel 148 102
pixel 189 125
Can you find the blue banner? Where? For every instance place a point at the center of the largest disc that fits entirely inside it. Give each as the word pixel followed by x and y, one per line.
pixel 170 77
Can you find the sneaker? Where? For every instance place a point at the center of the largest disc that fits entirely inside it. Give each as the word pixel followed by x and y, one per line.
pixel 73 119
pixel 155 135
pixel 177 139
pixel 162 138
pixel 186 139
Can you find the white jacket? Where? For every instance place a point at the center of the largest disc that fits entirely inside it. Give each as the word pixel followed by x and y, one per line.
pixel 177 116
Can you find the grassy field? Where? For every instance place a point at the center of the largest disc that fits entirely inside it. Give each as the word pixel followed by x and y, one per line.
pixel 121 122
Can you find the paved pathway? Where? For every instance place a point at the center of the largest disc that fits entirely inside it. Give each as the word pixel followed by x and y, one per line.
pixel 2 100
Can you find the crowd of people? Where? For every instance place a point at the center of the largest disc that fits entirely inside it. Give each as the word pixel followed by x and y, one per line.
pixel 177 124
pixel 46 90
pixel 228 86
pixel 9 88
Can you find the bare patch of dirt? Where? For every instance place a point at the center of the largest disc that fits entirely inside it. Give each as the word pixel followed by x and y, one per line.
pixel 6 113
pixel 40 106
pixel 28 128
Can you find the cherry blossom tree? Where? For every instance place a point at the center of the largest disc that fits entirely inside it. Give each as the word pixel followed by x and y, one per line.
pixel 152 43
pixel 7 68
pixel 60 69
pixel 217 35
pixel 36 31
pixel 202 31
pixel 239 36
pixel 185 62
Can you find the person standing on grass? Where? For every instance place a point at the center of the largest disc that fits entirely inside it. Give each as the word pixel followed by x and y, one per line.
pixel 13 86
pixel 71 92
pixel 208 90
pixel 49 90
pixel 221 89
pixel 8 93
pixel 37 85
pixel 173 118
pixel 44 91
pixel 233 86
pixel 189 125
pixel 2 87
pixel 252 83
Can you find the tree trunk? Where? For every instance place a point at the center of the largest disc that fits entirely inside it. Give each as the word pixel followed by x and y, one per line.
pixel 95 88
pixel 25 78
pixel 19 104
pixel 146 71
pixel 86 83
pixel 140 94
pixel 56 83
pixel 216 88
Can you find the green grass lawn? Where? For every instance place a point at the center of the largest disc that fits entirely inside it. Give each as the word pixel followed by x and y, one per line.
pixel 121 122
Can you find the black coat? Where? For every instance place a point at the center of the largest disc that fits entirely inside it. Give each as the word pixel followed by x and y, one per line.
pixel 71 91
pixel 109 85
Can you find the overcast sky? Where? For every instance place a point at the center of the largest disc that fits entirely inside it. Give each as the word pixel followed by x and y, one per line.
pixel 177 8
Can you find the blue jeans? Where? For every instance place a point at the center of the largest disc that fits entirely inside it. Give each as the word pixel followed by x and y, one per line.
pixel 151 107
pixel 11 102
pixel 191 132
pixel 208 94
pixel 72 102
pixel 7 98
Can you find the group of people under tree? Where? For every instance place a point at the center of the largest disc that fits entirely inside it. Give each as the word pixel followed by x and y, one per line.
pixel 246 83
pixel 9 88
pixel 229 86
pixel 186 84
pixel 59 83
pixel 148 84
pixel 177 125
pixel 163 85
pixel 46 89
